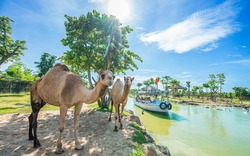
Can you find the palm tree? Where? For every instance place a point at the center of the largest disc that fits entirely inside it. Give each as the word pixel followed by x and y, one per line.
pixel 188 86
pixel 206 86
pixel 166 80
pixel 139 85
pixel 174 84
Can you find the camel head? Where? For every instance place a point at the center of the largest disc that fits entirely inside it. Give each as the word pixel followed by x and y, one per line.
pixel 106 77
pixel 128 80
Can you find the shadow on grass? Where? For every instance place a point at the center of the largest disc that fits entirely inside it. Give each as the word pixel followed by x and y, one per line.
pixel 13 95
pixel 22 104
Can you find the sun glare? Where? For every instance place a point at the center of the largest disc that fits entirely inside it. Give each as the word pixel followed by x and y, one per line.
pixel 119 8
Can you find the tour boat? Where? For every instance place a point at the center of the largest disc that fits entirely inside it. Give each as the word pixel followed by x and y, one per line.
pixel 149 100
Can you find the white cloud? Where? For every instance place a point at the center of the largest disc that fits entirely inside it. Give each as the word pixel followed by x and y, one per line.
pixel 95 1
pixel 210 47
pixel 197 31
pixel 245 62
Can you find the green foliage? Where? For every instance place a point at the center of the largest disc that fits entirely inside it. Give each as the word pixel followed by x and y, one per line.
pixel 139 85
pixel 215 83
pixel 137 151
pixel 19 71
pixel 87 38
pixel 242 92
pixel 9 49
pixel 165 81
pixel 47 61
pixel 138 135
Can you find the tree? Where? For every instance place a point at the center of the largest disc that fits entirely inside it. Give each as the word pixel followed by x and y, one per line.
pixel 206 86
pixel 221 79
pixel 188 87
pixel 139 85
pixel 146 83
pixel 241 93
pixel 47 61
pixel 174 84
pixel 87 38
pixel 166 81
pixel 194 90
pixel 98 41
pixel 19 71
pixel 9 49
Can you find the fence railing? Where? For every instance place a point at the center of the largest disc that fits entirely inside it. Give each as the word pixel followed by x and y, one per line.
pixel 14 85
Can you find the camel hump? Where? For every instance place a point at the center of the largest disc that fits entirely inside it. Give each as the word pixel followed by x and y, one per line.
pixel 62 66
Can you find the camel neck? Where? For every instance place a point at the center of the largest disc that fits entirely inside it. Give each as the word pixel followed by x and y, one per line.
pixel 125 92
pixel 94 94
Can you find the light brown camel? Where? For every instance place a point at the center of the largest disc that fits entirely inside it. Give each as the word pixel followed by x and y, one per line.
pixel 119 95
pixel 62 88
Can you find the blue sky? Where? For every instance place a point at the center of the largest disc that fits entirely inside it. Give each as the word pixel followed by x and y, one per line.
pixel 184 39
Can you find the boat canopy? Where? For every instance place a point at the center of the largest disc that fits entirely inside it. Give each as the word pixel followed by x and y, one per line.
pixel 153 92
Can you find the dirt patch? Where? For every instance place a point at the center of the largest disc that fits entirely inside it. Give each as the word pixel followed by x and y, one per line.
pixel 95 133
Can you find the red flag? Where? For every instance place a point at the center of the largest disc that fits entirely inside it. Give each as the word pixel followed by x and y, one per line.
pixel 156 80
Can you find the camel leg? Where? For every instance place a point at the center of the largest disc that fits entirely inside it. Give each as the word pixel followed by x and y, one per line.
pixel 31 137
pixel 121 116
pixel 63 112
pixel 116 115
pixel 78 109
pixel 111 110
pixel 33 122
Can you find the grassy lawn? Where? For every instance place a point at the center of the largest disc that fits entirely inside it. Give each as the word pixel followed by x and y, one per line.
pixel 18 103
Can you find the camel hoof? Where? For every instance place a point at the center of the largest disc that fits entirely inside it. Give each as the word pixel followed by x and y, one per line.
pixel 59 151
pixel 37 144
pixel 79 147
pixel 115 129
pixel 31 138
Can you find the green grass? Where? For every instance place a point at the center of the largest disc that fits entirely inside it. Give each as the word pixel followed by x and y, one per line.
pixel 18 103
pixel 137 151
pixel 138 135
pixel 95 106
pixel 139 138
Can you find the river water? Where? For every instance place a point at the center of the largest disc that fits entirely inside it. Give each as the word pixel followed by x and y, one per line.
pixel 199 131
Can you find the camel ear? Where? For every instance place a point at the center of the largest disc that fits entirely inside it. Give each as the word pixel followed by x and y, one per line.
pixel 100 72
pixel 132 79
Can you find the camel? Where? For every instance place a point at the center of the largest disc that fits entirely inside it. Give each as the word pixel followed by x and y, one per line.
pixel 119 95
pixel 61 87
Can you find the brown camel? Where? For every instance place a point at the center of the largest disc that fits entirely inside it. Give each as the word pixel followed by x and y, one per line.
pixel 119 95
pixel 62 88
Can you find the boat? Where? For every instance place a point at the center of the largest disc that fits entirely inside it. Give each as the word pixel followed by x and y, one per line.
pixel 149 100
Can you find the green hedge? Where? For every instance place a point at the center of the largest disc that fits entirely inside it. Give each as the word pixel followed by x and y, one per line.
pixel 14 85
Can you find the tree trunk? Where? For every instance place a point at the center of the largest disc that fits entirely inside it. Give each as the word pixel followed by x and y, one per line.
pixel 89 77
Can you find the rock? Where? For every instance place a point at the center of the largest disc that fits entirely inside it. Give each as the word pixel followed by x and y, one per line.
pixel 135 119
pixel 151 149
pixel 148 138
pixel 131 112
pixel 164 150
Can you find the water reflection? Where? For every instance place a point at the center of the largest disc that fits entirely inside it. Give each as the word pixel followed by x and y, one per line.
pixel 195 130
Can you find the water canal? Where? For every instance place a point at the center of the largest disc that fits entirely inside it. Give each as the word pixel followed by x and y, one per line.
pixel 199 131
